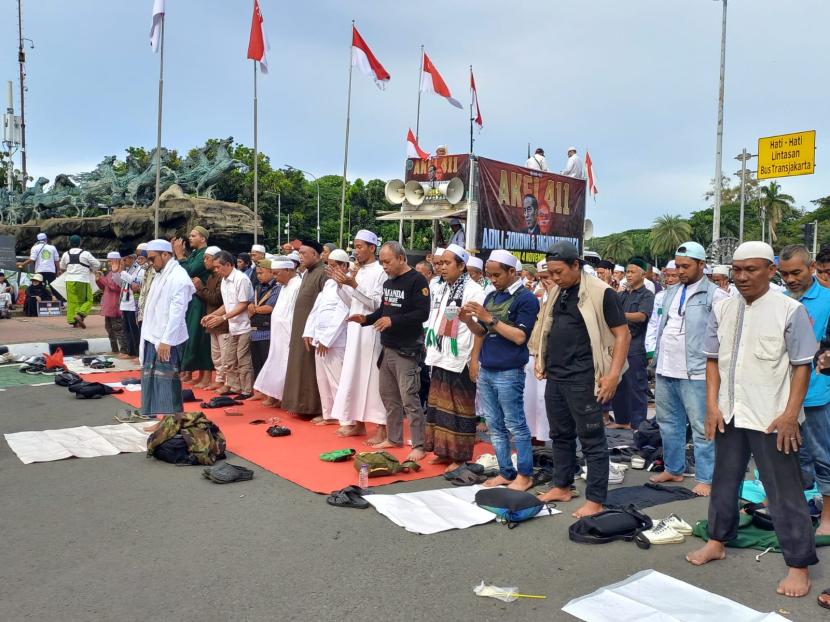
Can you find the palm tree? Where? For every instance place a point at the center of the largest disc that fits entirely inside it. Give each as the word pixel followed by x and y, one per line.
pixel 667 233
pixel 617 246
pixel 776 203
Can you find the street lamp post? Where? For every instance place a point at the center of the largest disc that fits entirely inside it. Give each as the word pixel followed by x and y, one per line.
pixel 718 149
pixel 294 168
pixel 279 215
pixel 742 158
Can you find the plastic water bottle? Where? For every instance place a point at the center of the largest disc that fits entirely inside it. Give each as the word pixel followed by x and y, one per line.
pixel 363 477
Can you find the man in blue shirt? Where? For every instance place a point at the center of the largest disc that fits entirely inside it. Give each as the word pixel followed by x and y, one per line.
pixel 797 269
pixel 497 364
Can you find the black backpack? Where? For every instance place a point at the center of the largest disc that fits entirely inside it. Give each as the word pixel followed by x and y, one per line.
pixel 174 450
pixel 610 526
pixel 67 379
pixel 510 506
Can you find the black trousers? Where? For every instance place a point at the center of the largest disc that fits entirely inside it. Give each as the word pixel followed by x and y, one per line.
pixel 573 411
pixel 259 354
pixel 131 332
pixel 630 403
pixel 781 475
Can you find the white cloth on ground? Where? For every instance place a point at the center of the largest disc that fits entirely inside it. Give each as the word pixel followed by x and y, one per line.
pixel 271 378
pixel 81 442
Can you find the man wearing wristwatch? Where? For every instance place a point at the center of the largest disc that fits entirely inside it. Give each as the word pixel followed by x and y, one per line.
pixel 497 364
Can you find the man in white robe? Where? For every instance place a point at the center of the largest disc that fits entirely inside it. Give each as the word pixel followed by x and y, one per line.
pixel 271 378
pixel 325 331
pixel 358 396
pixel 164 332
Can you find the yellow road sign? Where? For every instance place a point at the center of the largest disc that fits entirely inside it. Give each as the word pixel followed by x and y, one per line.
pixel 787 155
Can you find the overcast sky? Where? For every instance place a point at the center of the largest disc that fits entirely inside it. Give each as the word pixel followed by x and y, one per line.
pixel 634 82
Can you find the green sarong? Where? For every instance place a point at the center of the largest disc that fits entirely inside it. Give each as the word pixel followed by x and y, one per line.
pixel 196 354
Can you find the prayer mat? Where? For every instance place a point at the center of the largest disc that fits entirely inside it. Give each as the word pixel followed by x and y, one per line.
pixel 646 496
pixel 295 457
pixel 11 376
pixel 652 595
pixel 750 536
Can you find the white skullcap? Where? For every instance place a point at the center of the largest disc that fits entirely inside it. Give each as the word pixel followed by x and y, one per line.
pixel 475 262
pixel 721 270
pixel 294 256
pixel 141 247
pixel 161 246
pixel 114 255
pixel 589 269
pixel 270 256
pixel 671 265
pixel 542 266
pixel 503 257
pixel 41 237
pixel 444 147
pixel 459 252
pixel 258 248
pixel 707 270
pixel 367 236
pixel 571 148
pixel 283 264
pixel 438 252
pixel 454 221
pixel 212 250
pixel 338 254
pixel 754 250
pixel 518 264
pixel 619 268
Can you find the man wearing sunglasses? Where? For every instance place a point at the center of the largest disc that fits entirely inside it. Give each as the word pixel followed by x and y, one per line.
pixel 680 390
pixel 580 343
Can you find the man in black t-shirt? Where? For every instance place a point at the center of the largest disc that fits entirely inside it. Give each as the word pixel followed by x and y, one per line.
pixel 582 347
pixel 630 404
pixel 400 320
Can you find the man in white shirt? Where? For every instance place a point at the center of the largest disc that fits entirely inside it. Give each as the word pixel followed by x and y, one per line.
pixel 132 276
pixel 79 267
pixel 458 237
pixel 573 167
pixel 164 332
pixel 537 161
pixel 45 258
pixel 760 347
pixel 237 293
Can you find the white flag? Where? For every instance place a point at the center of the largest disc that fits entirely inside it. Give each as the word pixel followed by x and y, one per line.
pixel 155 29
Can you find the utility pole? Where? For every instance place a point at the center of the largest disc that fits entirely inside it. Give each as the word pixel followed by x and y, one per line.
pixel 21 60
pixel 742 158
pixel 815 238
pixel 718 149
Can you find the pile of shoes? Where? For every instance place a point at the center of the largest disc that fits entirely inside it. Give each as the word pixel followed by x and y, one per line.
pixel 490 464
pixel 227 473
pixel 670 530
pixel 616 473
pixel 466 475
pixel 97 362
pixel 349 497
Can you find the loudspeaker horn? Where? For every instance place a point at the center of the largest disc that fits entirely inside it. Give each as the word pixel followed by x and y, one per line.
pixel 589 229
pixel 414 192
pixel 394 191
pixel 454 190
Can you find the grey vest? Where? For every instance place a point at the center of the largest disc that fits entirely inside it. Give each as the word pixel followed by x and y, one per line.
pixel 698 307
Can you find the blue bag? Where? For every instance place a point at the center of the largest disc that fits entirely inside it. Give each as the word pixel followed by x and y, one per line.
pixel 510 506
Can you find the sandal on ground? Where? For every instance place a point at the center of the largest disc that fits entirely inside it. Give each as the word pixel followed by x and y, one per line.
pixel 278 430
pixel 466 478
pixel 822 603
pixel 348 497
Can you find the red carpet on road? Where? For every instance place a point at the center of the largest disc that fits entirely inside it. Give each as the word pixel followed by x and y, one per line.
pixel 295 457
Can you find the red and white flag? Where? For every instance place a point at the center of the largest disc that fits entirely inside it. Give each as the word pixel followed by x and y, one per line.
pixel 412 148
pixel 432 82
pixel 258 43
pixel 155 29
pixel 363 58
pixel 476 110
pixel 592 186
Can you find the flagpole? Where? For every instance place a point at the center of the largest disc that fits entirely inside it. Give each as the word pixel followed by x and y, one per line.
pixel 158 130
pixel 256 163
pixel 346 150
pixel 417 129
pixel 471 110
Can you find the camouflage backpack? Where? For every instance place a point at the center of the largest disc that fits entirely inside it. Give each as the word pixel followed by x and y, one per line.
pixel 203 440
pixel 381 463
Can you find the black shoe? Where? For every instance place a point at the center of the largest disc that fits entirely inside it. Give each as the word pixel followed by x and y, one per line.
pixel 228 473
pixel 278 430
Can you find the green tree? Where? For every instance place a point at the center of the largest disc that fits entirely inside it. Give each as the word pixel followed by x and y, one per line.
pixel 777 204
pixel 667 233
pixel 615 247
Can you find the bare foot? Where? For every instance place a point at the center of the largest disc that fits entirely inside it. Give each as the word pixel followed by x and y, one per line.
pixel 257 396
pixel 452 466
pixel 709 552
pixel 618 426
pixel 702 490
pixel 378 437
pixel 824 600
pixel 796 584
pixel 215 385
pixel 665 476
pixel 823 529
pixel 385 444
pixel 275 404
pixel 325 421
pixel 556 494
pixel 358 429
pixel 522 482
pixel 185 377
pixel 416 454
pixel 439 460
pixel 222 389
pixel 588 509
pixel 124 356
pixel 317 419
pixel 268 401
pixel 496 481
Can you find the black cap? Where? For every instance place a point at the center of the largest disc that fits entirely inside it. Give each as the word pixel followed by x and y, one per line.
pixel 608 265
pixel 562 251
pixel 313 244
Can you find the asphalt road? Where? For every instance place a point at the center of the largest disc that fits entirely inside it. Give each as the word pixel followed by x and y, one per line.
pixel 127 538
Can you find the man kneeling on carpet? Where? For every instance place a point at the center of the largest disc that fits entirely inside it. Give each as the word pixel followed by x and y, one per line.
pixel 163 332
pixel 399 320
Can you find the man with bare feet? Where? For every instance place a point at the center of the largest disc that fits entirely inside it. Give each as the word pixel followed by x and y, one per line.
pixel 581 345
pixel 797 267
pixel 399 320
pixel 358 397
pixel 504 323
pixel 759 349
pixel 680 390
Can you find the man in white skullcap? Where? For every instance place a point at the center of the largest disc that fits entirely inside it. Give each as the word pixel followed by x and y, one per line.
pixel 475 268
pixel 358 396
pixel 759 347
pixel 573 167
pixel 458 237
pixel 45 257
pixel 110 284
pixel 164 332
pixel 720 277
